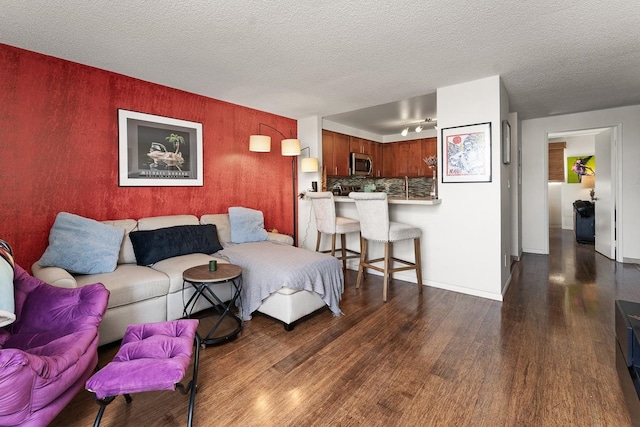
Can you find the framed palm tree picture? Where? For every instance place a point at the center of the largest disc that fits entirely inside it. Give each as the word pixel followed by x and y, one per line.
pixel 158 151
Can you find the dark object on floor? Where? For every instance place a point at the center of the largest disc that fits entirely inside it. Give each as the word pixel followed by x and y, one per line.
pixel 628 354
pixel 585 221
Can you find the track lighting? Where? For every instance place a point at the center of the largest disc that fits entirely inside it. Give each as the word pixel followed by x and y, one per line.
pixel 429 121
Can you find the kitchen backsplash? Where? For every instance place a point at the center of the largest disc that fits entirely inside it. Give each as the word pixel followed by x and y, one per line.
pixel 419 187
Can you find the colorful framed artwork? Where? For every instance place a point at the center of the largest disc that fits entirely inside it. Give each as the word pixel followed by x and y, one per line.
pixel 579 166
pixel 158 151
pixel 466 153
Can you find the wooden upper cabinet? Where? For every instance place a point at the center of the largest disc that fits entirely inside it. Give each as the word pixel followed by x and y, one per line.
pixel 388 151
pixel 389 159
pixel 335 153
pixel 359 145
pixel 355 144
pixel 376 157
pixel 409 158
pixel 429 148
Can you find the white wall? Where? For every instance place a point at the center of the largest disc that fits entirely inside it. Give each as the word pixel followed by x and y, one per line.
pixel 466 231
pixel 310 135
pixel 516 186
pixel 506 194
pixel 555 204
pixel 535 235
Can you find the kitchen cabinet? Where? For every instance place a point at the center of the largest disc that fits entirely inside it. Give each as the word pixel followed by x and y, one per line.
pixel 408 160
pixel 392 159
pixel 335 153
pixel 376 158
pixel 429 148
pixel 372 148
pixel 359 145
pixel 388 159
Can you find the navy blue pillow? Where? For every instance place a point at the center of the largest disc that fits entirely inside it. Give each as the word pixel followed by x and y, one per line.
pixel 151 246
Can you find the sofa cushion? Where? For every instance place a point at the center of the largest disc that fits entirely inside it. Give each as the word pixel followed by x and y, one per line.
pixel 221 221
pixel 155 222
pixel 129 284
pixel 247 225
pixel 82 245
pixel 151 246
pixel 127 256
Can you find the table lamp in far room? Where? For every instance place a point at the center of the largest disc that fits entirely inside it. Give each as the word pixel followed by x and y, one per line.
pixel 589 181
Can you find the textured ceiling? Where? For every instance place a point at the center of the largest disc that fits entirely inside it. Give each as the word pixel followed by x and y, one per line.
pixel 300 58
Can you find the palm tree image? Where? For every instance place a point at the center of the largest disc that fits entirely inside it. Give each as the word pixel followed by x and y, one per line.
pixel 160 156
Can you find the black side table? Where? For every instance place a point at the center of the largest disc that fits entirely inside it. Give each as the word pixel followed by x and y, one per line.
pixel 227 324
pixel 628 354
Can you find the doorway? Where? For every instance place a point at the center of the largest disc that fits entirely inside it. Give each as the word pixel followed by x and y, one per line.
pixel 598 147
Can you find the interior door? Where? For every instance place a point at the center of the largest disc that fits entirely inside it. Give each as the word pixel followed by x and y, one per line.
pixel 605 203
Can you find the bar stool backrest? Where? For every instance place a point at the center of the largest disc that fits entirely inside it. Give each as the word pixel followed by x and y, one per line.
pixel 324 209
pixel 373 212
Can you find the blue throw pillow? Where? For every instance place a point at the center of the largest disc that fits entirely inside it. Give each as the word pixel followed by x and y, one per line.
pixel 151 246
pixel 247 225
pixel 81 245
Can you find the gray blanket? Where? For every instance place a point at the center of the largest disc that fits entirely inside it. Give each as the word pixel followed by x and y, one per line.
pixel 269 266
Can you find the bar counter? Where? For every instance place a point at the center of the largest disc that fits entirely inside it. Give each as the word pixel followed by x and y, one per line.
pixel 396 200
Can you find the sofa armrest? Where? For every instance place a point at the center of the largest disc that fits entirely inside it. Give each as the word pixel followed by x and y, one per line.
pixel 54 276
pixel 280 238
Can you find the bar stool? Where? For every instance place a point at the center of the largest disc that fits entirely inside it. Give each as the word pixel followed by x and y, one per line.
pixel 324 209
pixel 373 210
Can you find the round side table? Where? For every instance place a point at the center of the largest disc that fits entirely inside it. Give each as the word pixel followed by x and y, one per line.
pixel 227 324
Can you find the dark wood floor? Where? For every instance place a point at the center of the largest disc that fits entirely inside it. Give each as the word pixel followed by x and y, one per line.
pixel 543 357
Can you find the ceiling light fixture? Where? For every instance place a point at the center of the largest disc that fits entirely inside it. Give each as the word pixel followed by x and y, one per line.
pixel 429 121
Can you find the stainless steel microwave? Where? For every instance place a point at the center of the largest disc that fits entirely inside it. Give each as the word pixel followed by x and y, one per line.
pixel 361 164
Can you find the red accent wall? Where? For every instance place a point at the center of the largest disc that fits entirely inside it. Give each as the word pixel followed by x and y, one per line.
pixel 59 151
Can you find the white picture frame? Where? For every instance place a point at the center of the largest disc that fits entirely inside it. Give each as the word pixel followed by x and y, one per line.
pixel 466 153
pixel 157 151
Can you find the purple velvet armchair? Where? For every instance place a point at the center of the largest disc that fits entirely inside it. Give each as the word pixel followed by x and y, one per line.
pixel 50 351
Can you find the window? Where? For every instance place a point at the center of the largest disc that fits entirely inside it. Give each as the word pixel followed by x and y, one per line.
pixel 556 161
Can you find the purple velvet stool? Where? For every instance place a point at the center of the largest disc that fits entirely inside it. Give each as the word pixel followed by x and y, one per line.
pixel 152 356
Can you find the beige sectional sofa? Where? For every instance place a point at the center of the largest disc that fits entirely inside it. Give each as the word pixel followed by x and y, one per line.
pixel 142 294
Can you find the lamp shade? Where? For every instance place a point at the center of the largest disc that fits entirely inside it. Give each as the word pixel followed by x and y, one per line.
pixel 290 147
pixel 260 143
pixel 588 181
pixel 309 164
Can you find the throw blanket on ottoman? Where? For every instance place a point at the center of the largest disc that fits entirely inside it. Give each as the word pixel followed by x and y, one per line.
pixel 7 306
pixel 269 266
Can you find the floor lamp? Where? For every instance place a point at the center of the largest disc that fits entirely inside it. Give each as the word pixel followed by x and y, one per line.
pixel 290 147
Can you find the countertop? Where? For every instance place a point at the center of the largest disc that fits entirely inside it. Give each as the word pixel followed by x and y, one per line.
pixel 397 200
